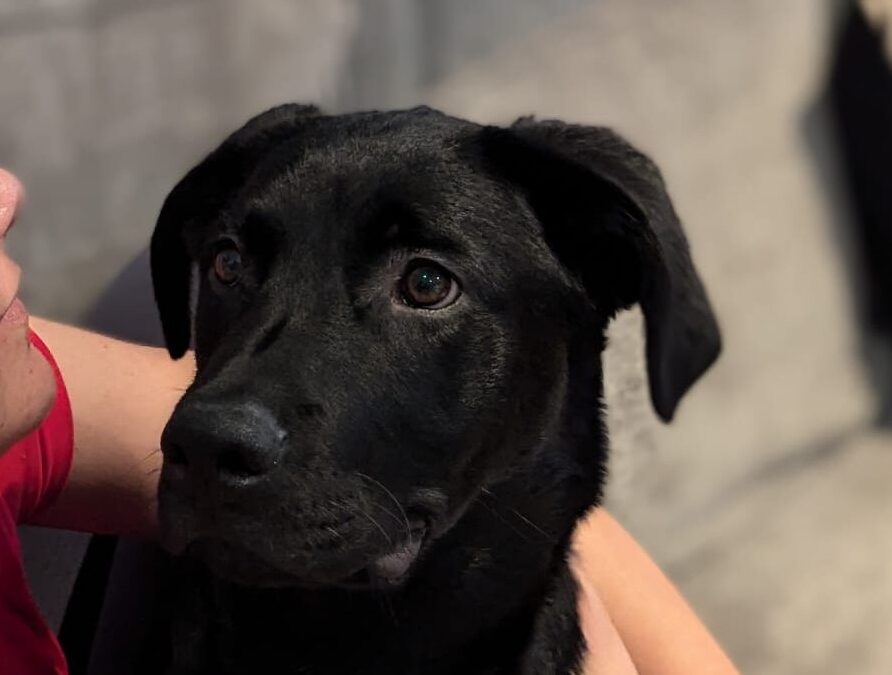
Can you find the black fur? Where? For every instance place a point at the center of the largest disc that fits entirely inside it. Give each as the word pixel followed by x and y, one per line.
pixel 330 424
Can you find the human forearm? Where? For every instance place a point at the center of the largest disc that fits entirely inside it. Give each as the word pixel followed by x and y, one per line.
pixel 659 629
pixel 121 395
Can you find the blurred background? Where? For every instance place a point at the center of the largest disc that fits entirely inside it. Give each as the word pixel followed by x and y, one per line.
pixel 768 499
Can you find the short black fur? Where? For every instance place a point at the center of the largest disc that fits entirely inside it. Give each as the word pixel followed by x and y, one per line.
pixel 364 486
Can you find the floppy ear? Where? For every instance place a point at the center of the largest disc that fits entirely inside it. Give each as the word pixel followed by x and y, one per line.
pixel 606 214
pixel 195 200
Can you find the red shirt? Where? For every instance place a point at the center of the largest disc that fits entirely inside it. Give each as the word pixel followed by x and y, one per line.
pixel 32 473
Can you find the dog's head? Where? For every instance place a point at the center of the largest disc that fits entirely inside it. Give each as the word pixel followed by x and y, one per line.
pixel 394 313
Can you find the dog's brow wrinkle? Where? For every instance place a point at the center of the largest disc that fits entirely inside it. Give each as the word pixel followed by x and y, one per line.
pixel 309 409
pixel 269 337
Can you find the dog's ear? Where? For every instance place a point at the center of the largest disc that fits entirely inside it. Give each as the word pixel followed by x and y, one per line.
pixel 195 201
pixel 607 216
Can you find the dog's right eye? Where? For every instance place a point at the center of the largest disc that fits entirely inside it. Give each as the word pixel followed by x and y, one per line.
pixel 228 264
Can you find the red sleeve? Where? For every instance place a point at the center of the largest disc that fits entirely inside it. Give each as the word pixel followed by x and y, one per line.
pixel 35 469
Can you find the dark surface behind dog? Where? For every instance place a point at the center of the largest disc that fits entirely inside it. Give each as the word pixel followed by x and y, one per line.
pixel 396 419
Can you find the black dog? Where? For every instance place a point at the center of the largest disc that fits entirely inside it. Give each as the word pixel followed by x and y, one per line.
pixel 396 419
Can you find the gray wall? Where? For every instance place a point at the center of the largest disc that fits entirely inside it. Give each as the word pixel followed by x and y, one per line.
pixel 106 102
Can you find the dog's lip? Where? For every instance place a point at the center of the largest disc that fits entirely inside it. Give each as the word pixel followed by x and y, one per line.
pixel 392 568
pixel 389 570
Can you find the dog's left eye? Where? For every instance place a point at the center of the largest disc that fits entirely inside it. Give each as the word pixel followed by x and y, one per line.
pixel 228 264
pixel 428 286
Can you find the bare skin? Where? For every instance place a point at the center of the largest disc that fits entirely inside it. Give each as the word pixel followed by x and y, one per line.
pixel 633 619
pixel 657 627
pixel 27 386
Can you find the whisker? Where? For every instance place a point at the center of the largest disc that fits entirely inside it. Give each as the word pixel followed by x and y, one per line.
pixel 530 523
pixel 501 518
pixel 396 517
pixel 378 525
pixel 515 512
pixel 392 496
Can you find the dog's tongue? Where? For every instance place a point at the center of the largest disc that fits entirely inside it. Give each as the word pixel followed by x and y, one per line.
pixel 394 566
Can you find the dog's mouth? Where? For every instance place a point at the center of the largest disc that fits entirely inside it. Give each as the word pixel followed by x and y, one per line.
pixel 237 564
pixel 391 569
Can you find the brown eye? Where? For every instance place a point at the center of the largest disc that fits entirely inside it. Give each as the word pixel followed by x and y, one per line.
pixel 228 265
pixel 429 286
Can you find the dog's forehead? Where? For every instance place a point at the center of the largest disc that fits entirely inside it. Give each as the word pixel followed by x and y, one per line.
pixel 337 179
pixel 363 143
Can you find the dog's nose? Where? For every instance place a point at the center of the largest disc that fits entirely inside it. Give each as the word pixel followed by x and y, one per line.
pixel 230 442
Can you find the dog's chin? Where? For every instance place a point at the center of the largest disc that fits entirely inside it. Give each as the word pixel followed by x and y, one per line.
pixel 238 565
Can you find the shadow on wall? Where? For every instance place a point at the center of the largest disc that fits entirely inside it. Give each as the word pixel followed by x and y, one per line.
pixel 849 132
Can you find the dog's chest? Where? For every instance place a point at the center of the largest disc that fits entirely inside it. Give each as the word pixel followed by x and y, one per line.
pixel 236 635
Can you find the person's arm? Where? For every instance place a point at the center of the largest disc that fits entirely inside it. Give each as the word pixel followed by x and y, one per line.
pixel 660 631
pixel 605 652
pixel 121 396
